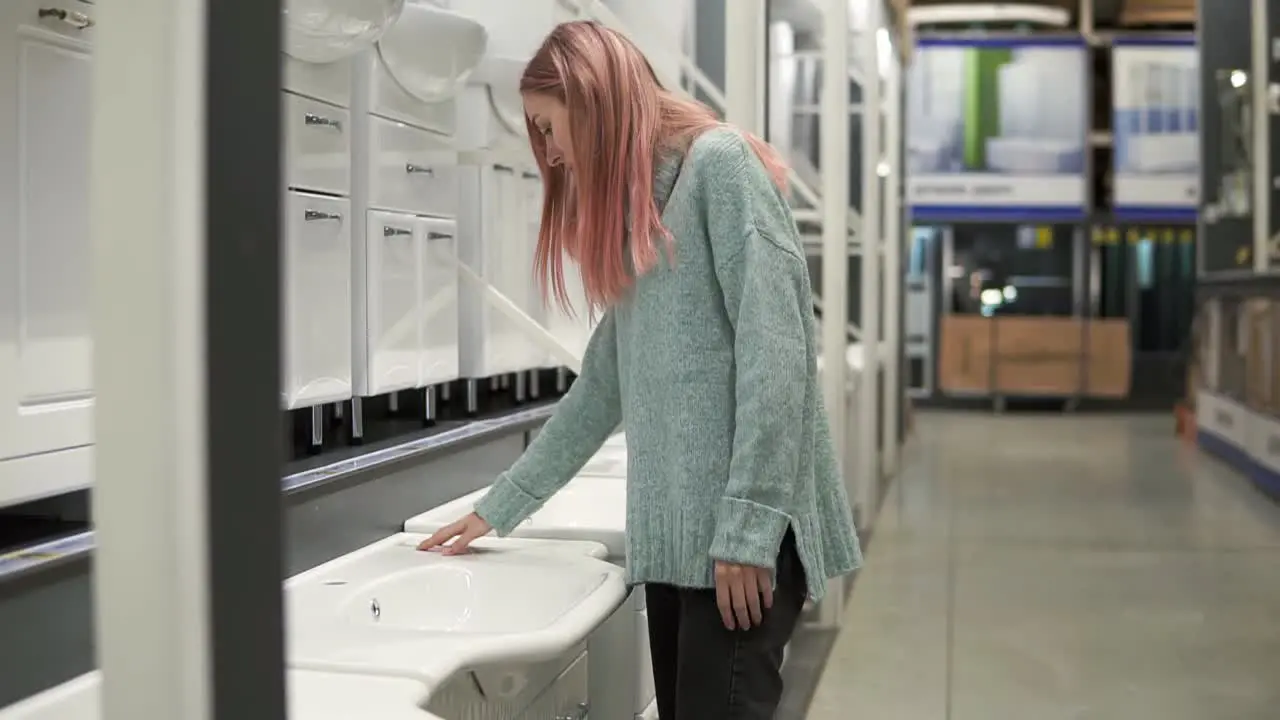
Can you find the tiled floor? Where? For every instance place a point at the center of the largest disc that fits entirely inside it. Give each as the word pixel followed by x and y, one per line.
pixel 1055 567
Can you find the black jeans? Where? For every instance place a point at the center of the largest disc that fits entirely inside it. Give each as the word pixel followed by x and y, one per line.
pixel 703 671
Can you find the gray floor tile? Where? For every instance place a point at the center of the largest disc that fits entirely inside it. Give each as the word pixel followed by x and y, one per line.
pixel 1061 567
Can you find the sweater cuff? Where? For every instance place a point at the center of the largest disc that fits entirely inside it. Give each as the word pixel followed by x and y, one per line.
pixel 748 533
pixel 506 505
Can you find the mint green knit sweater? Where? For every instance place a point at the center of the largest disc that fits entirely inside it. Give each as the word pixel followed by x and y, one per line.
pixel 711 365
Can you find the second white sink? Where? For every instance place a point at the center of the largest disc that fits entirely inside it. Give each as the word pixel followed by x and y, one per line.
pixel 392 610
pixel 592 509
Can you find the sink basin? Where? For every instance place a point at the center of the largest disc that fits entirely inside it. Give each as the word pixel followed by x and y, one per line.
pixel 391 610
pixel 312 696
pixel 429 51
pixel 456 596
pixel 502 75
pixel 590 509
pixel 608 463
pixel 325 31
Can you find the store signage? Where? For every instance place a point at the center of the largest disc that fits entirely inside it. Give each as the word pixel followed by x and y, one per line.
pixel 1224 418
pixel 1264 447
pixel 997 126
pixel 1156 127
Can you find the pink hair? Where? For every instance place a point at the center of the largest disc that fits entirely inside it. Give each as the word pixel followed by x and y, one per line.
pixel 621 119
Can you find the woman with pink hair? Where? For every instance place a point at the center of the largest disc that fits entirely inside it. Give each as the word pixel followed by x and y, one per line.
pixel 705 351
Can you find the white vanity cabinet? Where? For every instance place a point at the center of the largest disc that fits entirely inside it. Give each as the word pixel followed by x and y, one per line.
pixel 317 300
pixel 407 304
pixel 319 219
pixel 46 348
pixel 496 246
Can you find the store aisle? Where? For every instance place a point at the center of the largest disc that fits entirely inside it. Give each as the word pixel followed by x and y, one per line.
pixel 1055 567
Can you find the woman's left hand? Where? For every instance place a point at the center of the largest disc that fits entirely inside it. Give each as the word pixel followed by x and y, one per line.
pixel 743 593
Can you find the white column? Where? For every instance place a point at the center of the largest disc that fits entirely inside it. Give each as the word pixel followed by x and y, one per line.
pixel 744 28
pixel 835 244
pixel 868 424
pixel 782 46
pixel 150 571
pixel 1258 82
pixel 892 103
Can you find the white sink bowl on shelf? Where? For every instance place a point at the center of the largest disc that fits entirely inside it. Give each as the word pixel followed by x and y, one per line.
pixel 592 509
pixel 312 696
pixel 502 75
pixel 325 31
pixel 391 610
pixel 429 52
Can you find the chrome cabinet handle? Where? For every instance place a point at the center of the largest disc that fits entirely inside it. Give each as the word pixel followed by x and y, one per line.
pixel 77 20
pixel 530 176
pixel 314 120
pixel 433 235
pixel 316 215
pixel 419 169
pixel 504 168
pixel 388 231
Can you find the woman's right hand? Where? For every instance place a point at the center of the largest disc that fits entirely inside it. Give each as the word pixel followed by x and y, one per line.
pixel 461 532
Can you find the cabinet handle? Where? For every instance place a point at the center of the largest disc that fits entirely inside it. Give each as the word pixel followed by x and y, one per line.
pixel 504 168
pixel 530 176
pixel 76 20
pixel 388 231
pixel 315 215
pixel 419 169
pixel 315 120
pixel 433 235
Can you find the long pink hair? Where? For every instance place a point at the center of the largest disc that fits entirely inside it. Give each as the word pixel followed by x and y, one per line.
pixel 621 121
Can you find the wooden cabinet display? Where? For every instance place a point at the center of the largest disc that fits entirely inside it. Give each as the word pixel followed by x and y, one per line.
pixel 1035 356
pixel 1109 354
pixel 964 363
pixel 1038 355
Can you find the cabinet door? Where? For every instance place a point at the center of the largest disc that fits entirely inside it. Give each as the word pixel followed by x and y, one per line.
pixel 438 308
pixel 46 351
pixel 317 322
pixel 392 287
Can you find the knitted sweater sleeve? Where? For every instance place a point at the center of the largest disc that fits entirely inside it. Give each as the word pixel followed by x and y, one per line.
pixel 765 286
pixel 583 420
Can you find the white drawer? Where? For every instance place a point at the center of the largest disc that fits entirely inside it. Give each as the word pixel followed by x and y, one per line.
pixel 317 300
pixel 411 170
pixel 330 82
pixel 317 146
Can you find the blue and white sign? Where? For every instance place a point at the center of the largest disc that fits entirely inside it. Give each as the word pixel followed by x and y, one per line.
pixel 1156 129
pixel 997 127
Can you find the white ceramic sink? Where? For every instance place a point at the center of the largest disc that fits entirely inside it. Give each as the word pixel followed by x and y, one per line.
pixel 606 464
pixel 429 51
pixel 502 75
pixel 588 508
pixel 312 696
pixel 325 31
pixel 391 610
